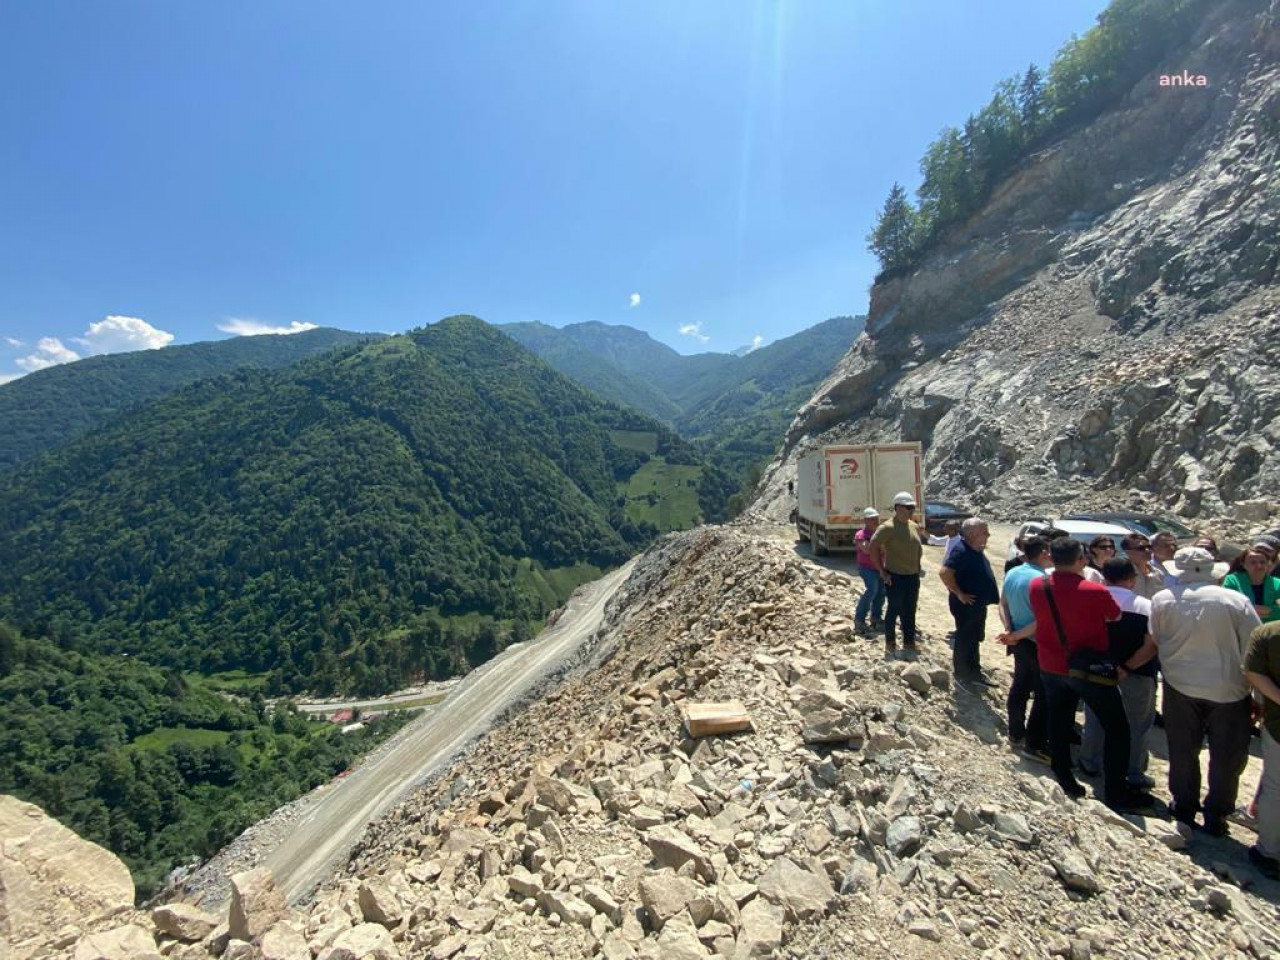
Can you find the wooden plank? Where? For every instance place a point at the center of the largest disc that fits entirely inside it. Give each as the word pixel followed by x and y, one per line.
pixel 710 719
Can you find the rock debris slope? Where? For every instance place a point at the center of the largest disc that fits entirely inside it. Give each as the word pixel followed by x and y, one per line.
pixel 1098 334
pixel 870 812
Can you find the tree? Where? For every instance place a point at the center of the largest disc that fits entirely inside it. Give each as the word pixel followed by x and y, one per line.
pixel 893 237
pixel 1032 105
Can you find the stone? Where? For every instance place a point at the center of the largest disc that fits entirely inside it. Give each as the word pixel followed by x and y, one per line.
pixel 664 895
pixel 1013 826
pixel 802 891
pixel 283 942
pixel 601 900
pixel 130 942
pixel 841 822
pixel 256 904
pixel 59 880
pixel 1074 872
pixel 917 678
pixel 643 817
pixel 566 906
pixel 904 836
pixel 523 883
pixel 966 818
pixel 672 848
pixel 760 934
pixel 378 904
pixel 1175 836
pixel 679 940
pixel 925 928
pixel 367 941
pixel 183 922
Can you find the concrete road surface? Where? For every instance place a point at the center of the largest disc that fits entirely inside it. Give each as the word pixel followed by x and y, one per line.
pixel 324 835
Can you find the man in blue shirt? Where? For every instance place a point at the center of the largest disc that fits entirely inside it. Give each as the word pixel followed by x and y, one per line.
pixel 968 577
pixel 1030 733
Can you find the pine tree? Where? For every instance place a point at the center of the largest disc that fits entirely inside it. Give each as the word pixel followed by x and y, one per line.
pixel 893 239
pixel 1031 104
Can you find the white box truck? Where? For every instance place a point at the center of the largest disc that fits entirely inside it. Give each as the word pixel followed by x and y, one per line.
pixel 836 483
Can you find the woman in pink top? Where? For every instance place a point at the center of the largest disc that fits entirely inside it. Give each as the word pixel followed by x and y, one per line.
pixel 873 593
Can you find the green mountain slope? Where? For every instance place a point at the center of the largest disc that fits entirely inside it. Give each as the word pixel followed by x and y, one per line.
pixel 331 521
pixel 734 407
pixel 595 371
pixel 53 406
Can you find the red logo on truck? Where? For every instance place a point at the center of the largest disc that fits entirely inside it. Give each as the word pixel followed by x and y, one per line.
pixel 848 468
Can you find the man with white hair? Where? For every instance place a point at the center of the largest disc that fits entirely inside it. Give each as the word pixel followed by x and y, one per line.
pixel 1202 631
pixel 967 575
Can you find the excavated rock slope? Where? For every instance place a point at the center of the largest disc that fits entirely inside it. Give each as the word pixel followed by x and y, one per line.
pixel 871 812
pixel 1102 333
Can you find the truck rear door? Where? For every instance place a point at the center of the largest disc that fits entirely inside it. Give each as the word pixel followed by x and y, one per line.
pixel 897 468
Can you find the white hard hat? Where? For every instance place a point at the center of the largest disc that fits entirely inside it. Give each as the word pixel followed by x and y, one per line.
pixel 904 499
pixel 871 513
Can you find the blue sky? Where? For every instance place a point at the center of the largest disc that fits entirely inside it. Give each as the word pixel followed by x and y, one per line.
pixel 174 172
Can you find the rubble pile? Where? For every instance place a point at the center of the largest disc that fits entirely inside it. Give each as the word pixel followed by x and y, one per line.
pixel 871 811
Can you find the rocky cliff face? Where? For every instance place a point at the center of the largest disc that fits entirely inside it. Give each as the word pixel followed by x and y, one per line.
pixel 1103 332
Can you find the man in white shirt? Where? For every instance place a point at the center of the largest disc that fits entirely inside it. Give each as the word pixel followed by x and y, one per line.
pixel 1202 632
pixel 1150 578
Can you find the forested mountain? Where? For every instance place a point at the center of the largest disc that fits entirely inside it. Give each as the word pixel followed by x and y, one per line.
pixel 735 407
pixel 153 764
pixel 333 522
pixel 52 406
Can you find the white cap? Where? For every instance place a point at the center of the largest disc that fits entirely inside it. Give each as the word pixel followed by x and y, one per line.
pixel 871 513
pixel 1196 565
pixel 904 499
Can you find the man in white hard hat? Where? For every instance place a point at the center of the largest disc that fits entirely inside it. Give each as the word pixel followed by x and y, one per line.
pixel 873 593
pixel 897 550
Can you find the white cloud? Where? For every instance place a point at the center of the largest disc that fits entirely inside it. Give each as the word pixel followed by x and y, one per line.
pixel 756 342
pixel 634 300
pixel 249 327
pixel 121 335
pixel 694 330
pixel 50 352
pixel 11 341
pixel 8 378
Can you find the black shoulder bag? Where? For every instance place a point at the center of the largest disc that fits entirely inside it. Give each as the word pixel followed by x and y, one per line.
pixel 1091 665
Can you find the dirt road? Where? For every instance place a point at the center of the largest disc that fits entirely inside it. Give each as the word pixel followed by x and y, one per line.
pixel 324 833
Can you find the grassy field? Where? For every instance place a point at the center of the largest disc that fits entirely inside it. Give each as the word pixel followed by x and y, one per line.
pixel 162 738
pixel 645 441
pixel 235 681
pixel 664 494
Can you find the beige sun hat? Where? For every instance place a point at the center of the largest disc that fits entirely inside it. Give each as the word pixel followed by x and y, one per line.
pixel 1196 565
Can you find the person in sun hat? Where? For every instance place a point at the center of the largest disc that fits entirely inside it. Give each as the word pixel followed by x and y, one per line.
pixel 1202 631
pixel 897 551
pixel 873 593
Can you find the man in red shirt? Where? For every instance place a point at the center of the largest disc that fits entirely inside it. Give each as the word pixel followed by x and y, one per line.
pixel 1083 610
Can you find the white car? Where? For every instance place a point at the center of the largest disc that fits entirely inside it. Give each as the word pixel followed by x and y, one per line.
pixel 1082 530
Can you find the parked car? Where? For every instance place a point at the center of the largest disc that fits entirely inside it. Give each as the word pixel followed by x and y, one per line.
pixel 1082 530
pixel 936 516
pixel 1147 524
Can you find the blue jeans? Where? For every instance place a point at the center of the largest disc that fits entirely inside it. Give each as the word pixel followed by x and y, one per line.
pixel 872 599
pixel 1139 696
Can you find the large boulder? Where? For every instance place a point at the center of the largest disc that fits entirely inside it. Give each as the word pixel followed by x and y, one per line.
pixel 129 942
pixel 50 878
pixel 256 904
pixel 183 921
pixel 368 941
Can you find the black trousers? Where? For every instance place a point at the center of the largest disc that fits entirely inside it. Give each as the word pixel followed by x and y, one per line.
pixel 904 594
pixel 971 627
pixel 1106 703
pixel 1187 721
pixel 1027 685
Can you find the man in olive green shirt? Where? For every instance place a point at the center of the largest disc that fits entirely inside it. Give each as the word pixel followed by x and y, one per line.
pixel 1262 670
pixel 896 551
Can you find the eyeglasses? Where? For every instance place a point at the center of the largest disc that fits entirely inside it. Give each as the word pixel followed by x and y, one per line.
pixel 1105 546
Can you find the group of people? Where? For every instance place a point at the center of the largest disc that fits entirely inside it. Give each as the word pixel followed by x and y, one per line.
pixel 1099 624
